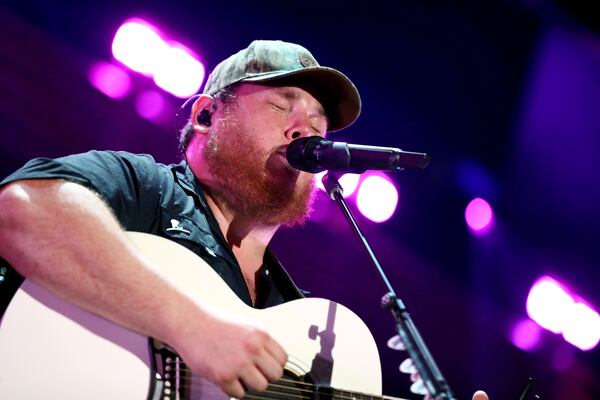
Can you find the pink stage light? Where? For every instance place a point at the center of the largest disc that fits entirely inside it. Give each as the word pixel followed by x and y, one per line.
pixel 583 327
pixel 179 72
pixel 349 182
pixel 109 79
pixel 549 304
pixel 377 198
pixel 138 46
pixel 554 309
pixel 479 215
pixel 150 105
pixel 174 68
pixel 526 335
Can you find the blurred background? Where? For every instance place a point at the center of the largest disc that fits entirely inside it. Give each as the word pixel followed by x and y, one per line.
pixel 493 247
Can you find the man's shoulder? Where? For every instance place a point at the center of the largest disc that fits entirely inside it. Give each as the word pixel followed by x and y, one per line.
pixel 138 158
pixel 140 163
pixel 102 166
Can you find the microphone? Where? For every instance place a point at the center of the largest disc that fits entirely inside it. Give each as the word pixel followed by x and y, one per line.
pixel 315 154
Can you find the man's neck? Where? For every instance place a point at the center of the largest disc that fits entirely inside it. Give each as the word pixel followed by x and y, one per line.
pixel 247 239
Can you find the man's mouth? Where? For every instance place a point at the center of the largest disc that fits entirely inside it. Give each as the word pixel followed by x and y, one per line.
pixel 282 152
pixel 279 169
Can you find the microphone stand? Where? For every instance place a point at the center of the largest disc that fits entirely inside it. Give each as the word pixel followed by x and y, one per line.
pixel 435 383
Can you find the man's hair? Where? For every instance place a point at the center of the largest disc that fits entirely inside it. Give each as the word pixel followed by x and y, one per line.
pixel 226 96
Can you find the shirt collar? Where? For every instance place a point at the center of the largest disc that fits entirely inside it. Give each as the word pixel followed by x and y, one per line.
pixel 189 182
pixel 187 179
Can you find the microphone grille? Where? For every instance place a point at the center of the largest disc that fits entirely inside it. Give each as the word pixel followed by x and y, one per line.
pixel 301 153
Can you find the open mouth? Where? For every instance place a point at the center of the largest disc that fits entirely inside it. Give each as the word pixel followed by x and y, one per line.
pixel 278 161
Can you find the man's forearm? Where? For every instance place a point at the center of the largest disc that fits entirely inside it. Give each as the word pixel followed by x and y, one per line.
pixel 62 236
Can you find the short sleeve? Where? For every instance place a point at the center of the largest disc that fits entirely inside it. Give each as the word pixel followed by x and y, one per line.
pixel 128 183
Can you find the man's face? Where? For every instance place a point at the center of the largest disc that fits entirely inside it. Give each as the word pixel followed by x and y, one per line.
pixel 245 153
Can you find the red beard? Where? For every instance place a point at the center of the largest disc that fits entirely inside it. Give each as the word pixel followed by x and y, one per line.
pixel 260 186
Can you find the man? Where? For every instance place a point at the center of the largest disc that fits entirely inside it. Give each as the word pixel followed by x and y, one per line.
pixel 224 202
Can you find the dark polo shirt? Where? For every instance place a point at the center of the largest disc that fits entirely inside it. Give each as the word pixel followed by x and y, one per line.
pixel 164 200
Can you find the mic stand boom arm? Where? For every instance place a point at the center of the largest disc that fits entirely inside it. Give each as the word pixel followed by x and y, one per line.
pixel 435 383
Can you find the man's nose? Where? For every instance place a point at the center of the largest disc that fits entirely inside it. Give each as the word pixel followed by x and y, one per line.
pixel 297 134
pixel 300 124
pixel 298 130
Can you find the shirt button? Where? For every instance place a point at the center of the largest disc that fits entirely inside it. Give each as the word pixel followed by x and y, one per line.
pixel 267 272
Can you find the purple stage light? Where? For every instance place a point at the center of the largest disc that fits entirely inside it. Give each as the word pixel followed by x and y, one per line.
pixel 150 105
pixel 349 182
pixel 553 308
pixel 526 335
pixel 583 327
pixel 138 46
pixel 377 198
pixel 179 72
pixel 109 79
pixel 479 215
pixel 549 304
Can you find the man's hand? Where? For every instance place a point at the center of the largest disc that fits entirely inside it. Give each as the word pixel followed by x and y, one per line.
pixel 232 353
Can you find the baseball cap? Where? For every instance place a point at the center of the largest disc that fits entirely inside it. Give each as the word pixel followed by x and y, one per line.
pixel 274 62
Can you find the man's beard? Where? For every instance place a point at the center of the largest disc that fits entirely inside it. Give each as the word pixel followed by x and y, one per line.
pixel 258 185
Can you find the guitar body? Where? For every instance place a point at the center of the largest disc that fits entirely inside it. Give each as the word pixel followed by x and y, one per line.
pixel 52 349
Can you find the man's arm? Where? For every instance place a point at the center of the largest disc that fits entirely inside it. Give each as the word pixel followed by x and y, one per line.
pixel 62 236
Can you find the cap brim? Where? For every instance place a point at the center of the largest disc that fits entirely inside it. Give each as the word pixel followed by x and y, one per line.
pixel 333 89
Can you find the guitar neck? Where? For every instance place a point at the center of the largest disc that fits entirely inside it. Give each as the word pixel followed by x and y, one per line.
pixel 346 395
pixel 289 388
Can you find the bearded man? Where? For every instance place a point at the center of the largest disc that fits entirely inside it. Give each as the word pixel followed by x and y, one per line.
pixel 224 202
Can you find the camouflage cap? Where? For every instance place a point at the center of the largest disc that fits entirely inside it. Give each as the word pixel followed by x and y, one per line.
pixel 282 63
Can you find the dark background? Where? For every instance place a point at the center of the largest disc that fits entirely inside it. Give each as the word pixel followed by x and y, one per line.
pixel 505 96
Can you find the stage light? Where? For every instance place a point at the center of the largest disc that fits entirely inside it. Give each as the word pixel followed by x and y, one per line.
pixel 109 79
pixel 179 72
pixel 138 46
pixel 349 182
pixel 150 105
pixel 479 215
pixel 583 327
pixel 174 68
pixel 549 304
pixel 525 335
pixel 377 198
pixel 555 309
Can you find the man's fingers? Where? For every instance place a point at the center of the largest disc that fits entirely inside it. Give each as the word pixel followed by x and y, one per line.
pixel 234 389
pixel 277 351
pixel 271 368
pixel 253 379
pixel 480 395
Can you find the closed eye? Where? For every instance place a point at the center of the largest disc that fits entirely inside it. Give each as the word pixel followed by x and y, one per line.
pixel 278 107
pixel 317 131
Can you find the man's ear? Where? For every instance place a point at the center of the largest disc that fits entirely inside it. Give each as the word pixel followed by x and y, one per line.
pixel 202 112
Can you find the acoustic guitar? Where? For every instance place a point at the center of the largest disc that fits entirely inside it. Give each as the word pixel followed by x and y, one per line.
pixel 52 349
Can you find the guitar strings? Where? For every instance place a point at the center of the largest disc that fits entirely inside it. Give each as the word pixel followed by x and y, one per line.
pixel 289 392
pixel 309 388
pixel 270 394
pixel 284 379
